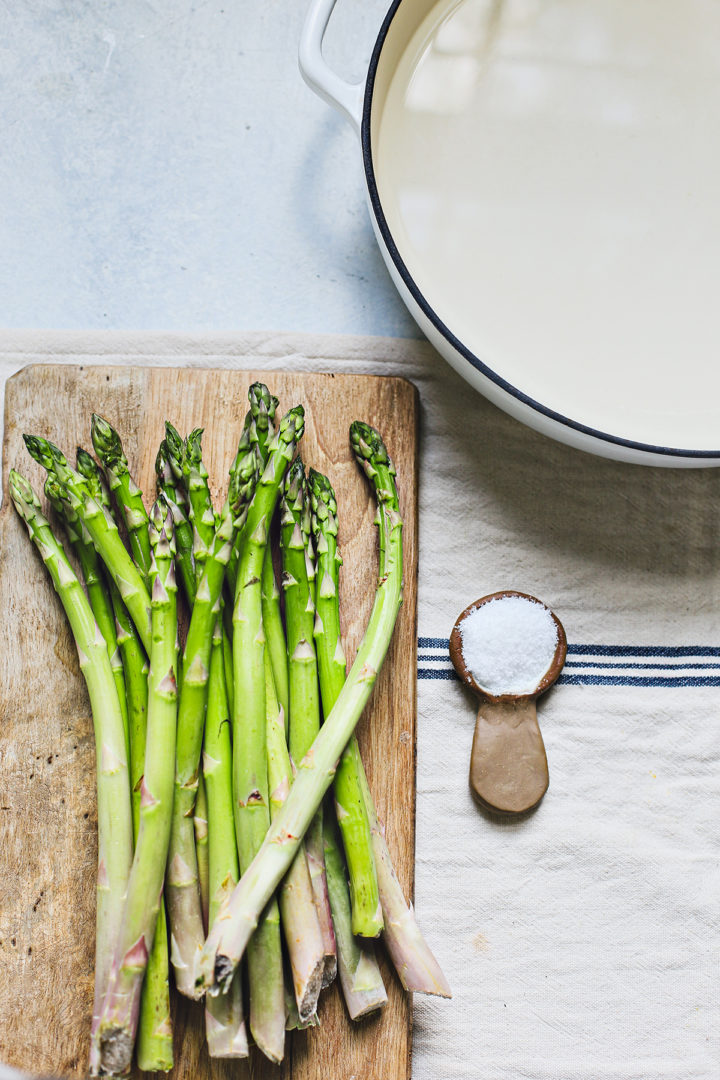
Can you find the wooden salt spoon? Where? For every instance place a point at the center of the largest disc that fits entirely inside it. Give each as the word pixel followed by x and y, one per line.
pixel 508 763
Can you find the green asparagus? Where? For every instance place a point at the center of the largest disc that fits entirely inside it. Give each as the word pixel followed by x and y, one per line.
pixel 298 583
pixel 299 917
pixel 250 783
pixel 360 978
pixel 103 532
pixel 128 496
pixel 97 589
pixel 224 1019
pixel 154 1049
pixel 262 413
pixel 182 884
pixel 174 494
pixel 116 1030
pixel 115 840
pixel 232 929
pixel 367 918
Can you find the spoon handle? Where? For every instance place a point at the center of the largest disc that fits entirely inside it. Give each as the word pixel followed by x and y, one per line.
pixel 508 765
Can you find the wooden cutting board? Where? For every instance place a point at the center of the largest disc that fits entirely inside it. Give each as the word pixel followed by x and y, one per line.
pixel 47 783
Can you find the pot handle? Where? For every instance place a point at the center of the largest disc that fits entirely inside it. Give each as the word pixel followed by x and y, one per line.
pixel 345 96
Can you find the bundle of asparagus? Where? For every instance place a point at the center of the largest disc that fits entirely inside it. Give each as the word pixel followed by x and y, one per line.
pixel 213 761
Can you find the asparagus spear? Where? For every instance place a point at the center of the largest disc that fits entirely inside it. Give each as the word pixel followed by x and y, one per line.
pixel 227 656
pixel 103 532
pixel 97 590
pixel 367 918
pixel 415 964
pixel 301 925
pixel 232 929
pixel 360 978
pixel 224 1019
pixel 174 494
pixel 298 582
pixel 113 789
pixel 200 828
pixel 250 781
pixel 274 633
pixel 201 510
pixel 116 1031
pixel 154 1046
pixel 154 1039
pixel 128 495
pixel 262 413
pixel 182 884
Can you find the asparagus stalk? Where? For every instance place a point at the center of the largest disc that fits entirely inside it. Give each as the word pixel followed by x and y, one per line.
pixel 116 1031
pixel 103 532
pixel 224 1019
pixel 198 489
pixel 367 917
pixel 232 929
pixel 136 669
pixel 154 1047
pixel 88 467
pixel 227 656
pixel 200 828
pixel 303 934
pixel 154 1039
pixel 128 495
pixel 174 495
pixel 97 589
pixel 415 964
pixel 299 587
pixel 262 413
pixel 360 978
pixel 275 633
pixel 182 884
pixel 113 790
pixel 250 780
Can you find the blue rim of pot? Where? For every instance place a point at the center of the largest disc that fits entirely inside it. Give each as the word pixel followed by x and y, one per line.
pixel 432 315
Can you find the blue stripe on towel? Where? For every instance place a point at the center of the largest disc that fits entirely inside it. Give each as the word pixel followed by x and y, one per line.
pixel 644 650
pixel 644 667
pixel 589 679
pixel 595 672
pixel 606 650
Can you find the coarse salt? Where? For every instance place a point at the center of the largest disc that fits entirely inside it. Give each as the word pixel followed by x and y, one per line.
pixel 508 644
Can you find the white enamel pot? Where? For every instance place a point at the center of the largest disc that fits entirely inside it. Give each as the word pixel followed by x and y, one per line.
pixel 653 396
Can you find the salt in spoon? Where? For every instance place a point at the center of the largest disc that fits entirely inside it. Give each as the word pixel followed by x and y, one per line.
pixel 508 763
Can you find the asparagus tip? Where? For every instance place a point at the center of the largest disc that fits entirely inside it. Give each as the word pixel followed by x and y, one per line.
pixel 106 442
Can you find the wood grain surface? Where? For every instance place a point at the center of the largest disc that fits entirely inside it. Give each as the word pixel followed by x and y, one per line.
pixel 47 768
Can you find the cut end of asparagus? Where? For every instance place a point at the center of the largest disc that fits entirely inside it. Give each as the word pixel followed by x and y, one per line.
pixel 329 969
pixel 116 1051
pixel 307 999
pixel 223 973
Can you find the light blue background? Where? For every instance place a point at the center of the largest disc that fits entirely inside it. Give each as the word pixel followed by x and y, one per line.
pixel 163 166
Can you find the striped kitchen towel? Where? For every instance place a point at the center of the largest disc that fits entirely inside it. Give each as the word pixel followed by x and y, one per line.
pixel 604 665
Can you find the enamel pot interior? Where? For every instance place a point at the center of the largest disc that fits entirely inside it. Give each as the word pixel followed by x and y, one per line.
pixel 542 181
